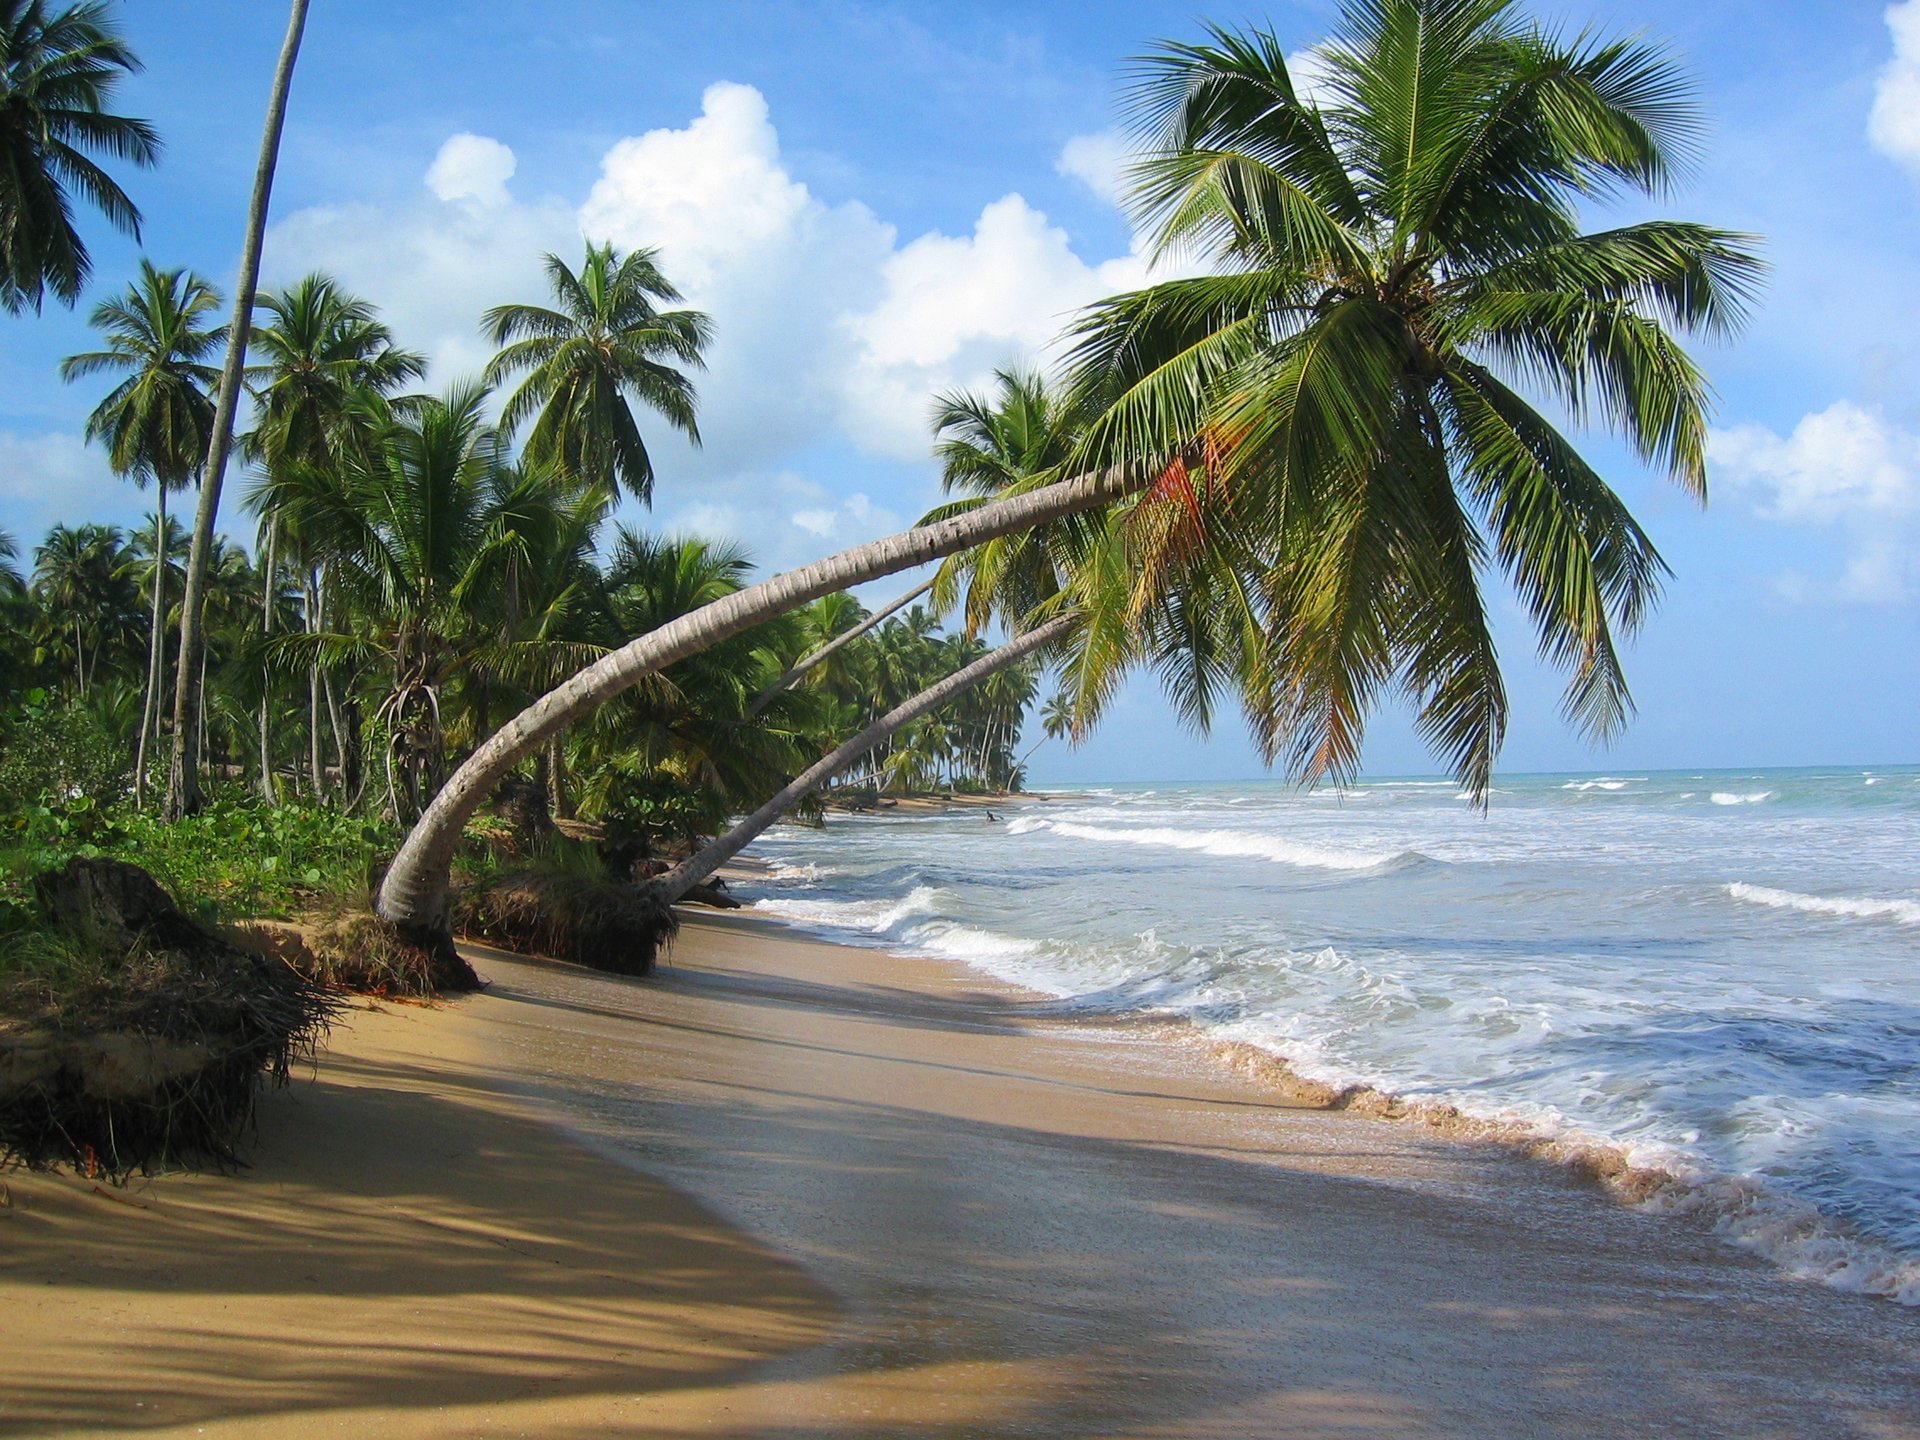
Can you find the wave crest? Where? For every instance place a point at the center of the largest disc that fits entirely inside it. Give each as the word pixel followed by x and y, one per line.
pixel 1903 912
pixel 1233 844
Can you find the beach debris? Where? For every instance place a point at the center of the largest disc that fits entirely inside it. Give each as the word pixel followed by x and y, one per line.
pixel 597 921
pixel 158 1058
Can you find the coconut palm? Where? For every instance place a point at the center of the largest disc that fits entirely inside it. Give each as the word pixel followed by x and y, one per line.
pixel 1401 257
pixel 85 594
pixel 157 421
pixel 324 353
pixel 1334 404
pixel 402 529
pixel 183 767
pixel 585 362
pixel 58 73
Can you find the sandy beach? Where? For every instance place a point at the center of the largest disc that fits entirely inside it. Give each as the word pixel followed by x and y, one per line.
pixel 797 1189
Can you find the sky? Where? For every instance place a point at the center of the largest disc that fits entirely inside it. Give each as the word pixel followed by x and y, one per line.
pixel 877 202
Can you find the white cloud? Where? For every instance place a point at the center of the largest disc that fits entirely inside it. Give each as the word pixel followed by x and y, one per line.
pixel 829 330
pixel 1099 162
pixel 472 167
pixel 1894 125
pixel 1846 466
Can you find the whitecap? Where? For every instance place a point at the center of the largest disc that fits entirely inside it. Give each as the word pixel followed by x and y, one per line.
pixel 1234 844
pixel 1900 911
pixel 1751 797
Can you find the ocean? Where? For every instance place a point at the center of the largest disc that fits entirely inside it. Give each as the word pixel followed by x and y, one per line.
pixel 1714 975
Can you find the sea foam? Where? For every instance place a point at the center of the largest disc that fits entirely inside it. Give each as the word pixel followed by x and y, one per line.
pixel 1904 912
pixel 1231 844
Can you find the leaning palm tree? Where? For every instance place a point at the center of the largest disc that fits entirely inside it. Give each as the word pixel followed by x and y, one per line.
pixel 1401 256
pixel 58 72
pixel 156 422
pixel 1334 403
pixel 606 345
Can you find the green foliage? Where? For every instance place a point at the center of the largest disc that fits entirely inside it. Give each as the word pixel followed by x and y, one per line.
pixel 233 860
pixel 59 754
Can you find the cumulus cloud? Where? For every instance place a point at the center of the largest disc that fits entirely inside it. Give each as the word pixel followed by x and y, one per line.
pixel 1894 125
pixel 472 167
pixel 1847 466
pixel 1099 162
pixel 830 329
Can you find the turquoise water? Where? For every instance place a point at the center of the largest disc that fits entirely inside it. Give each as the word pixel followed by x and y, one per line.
pixel 1715 972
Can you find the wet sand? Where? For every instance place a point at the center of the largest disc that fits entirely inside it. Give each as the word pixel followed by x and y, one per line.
pixel 843 1193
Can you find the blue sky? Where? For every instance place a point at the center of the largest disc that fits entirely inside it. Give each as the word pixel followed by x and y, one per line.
pixel 877 201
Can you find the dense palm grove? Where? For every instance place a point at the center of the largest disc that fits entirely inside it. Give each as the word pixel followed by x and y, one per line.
pixel 415 578
pixel 1278 485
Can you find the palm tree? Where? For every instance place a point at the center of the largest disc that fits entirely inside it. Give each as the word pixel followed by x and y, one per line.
pixel 156 422
pixel 1025 434
pixel 1398 261
pixel 81 580
pixel 696 868
pixel 606 345
pixel 325 353
pixel 183 768
pixel 1314 406
pixel 58 72
pixel 403 530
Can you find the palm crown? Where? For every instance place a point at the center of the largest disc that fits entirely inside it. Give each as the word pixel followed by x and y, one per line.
pixel 607 341
pixel 156 421
pixel 1400 254
pixel 58 72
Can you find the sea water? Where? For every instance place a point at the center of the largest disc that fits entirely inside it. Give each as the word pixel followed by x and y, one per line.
pixel 1716 974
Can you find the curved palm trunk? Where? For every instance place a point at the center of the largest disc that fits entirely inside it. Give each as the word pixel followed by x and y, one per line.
pixel 414 894
pixel 846 637
pixel 183 770
pixel 150 705
pixel 690 872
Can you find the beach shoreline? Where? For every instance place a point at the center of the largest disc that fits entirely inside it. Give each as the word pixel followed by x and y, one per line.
pixel 921 1206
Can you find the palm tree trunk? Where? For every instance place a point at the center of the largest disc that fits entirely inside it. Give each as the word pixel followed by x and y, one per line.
pixel 150 703
pixel 690 872
pixel 183 772
pixel 315 769
pixel 339 740
pixel 268 790
pixel 766 696
pixel 414 894
pixel 559 801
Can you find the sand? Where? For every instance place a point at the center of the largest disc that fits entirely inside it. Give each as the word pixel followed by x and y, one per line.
pixel 795 1189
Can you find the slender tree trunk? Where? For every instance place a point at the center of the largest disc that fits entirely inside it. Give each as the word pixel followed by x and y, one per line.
pixel 766 696
pixel 690 872
pixel 269 792
pixel 339 738
pixel 315 769
pixel 559 800
pixel 150 703
pixel 414 894
pixel 183 771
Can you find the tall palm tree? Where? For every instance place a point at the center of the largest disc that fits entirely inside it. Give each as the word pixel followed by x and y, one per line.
pixel 403 530
pixel 157 421
pixel 606 345
pixel 325 353
pixel 1400 258
pixel 183 765
pixel 58 72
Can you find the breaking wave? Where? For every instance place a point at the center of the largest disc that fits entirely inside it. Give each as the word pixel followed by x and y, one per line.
pixel 1904 912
